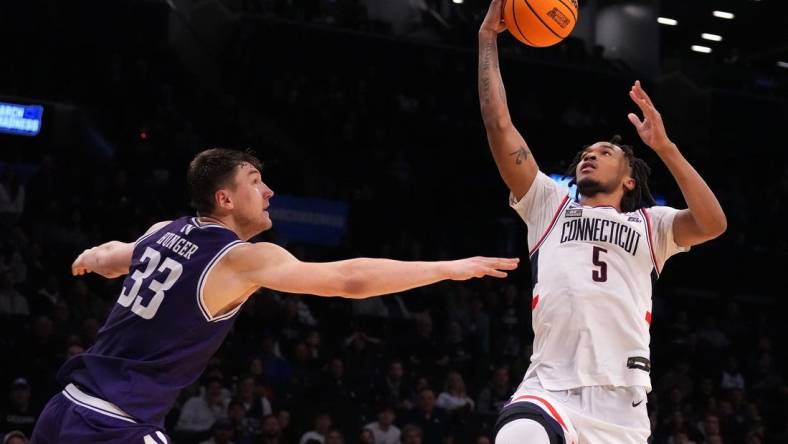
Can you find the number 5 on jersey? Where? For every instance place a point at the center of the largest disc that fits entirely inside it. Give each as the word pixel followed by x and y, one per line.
pixel 158 288
pixel 599 275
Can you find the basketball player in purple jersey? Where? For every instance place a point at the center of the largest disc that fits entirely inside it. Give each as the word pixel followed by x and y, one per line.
pixel 186 281
pixel 594 259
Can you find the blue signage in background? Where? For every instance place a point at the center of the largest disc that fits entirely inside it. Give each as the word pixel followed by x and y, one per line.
pixel 24 120
pixel 309 220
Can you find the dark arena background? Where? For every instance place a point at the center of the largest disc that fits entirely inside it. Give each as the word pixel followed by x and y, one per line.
pixel 366 115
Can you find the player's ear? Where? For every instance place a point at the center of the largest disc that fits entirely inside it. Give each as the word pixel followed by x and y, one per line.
pixel 223 199
pixel 629 183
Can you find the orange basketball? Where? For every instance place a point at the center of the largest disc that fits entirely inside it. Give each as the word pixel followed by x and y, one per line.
pixel 540 23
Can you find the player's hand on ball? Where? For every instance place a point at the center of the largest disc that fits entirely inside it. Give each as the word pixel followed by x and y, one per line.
pixel 476 267
pixel 651 130
pixel 493 22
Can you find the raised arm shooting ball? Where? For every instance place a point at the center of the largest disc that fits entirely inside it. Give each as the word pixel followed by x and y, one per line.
pixel 540 23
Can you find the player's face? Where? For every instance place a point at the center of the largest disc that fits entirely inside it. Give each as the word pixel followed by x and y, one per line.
pixel 603 168
pixel 251 197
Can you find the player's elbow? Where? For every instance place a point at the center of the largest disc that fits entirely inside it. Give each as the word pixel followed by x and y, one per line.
pixel 354 288
pixel 714 228
pixel 719 227
pixel 352 281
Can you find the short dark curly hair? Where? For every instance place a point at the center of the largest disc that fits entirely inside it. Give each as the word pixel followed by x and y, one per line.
pixel 635 199
pixel 211 170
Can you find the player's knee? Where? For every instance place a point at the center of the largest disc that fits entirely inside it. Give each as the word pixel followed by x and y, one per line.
pixel 522 431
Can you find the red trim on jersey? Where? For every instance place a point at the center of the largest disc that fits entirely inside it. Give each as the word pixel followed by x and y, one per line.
pixel 534 302
pixel 550 227
pixel 549 406
pixel 650 243
pixel 648 317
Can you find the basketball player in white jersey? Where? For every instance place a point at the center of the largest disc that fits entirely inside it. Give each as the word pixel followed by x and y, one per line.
pixel 594 261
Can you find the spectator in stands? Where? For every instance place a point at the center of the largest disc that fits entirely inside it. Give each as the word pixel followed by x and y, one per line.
pixel 412 434
pixel 12 302
pixel 201 412
pixel 271 431
pixel 362 354
pixel 335 437
pixel 20 414
pixel 236 414
pixel 366 437
pixel 255 404
pixel 496 393
pixel 384 430
pixel 432 420
pixel 15 437
pixel 321 428
pixel 394 388
pixel 454 398
pixel 47 295
pixel 710 426
pixel 712 335
pixel 477 327
pixel 12 196
pixel 222 432
pixel 427 354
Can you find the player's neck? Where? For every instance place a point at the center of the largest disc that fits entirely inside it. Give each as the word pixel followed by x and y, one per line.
pixel 602 200
pixel 227 222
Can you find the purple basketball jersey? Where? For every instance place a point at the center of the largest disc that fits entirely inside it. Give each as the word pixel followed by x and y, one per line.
pixel 159 336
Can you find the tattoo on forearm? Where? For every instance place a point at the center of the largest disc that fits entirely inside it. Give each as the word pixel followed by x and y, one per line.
pixel 484 70
pixel 485 85
pixel 520 155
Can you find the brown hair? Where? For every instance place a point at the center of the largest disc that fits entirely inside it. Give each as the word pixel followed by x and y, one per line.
pixel 211 170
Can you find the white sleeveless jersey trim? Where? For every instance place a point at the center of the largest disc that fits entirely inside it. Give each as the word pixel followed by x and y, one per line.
pixel 552 224
pixel 198 224
pixel 147 235
pixel 151 438
pixel 650 239
pixel 77 396
pixel 201 284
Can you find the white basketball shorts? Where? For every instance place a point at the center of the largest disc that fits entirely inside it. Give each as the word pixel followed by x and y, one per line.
pixel 586 415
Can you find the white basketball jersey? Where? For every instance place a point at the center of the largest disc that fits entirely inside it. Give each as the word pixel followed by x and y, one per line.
pixel 593 270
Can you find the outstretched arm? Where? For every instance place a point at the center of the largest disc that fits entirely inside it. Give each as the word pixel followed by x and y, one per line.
pixel 271 266
pixel 111 259
pixel 704 219
pixel 512 156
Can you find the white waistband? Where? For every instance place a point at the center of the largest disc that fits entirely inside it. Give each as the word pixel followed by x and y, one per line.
pixel 81 398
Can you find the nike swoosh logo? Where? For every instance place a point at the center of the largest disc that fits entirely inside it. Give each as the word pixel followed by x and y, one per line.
pixel 638 403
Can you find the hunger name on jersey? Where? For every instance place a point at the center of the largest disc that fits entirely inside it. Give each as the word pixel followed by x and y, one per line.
pixel 178 244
